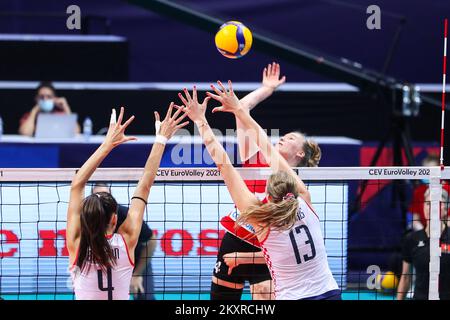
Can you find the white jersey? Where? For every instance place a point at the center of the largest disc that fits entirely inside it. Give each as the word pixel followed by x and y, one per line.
pixel 297 258
pixel 93 284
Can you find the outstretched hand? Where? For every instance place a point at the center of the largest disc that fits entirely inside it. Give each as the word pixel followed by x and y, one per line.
pixel 229 101
pixel 116 131
pixel 171 123
pixel 192 108
pixel 271 76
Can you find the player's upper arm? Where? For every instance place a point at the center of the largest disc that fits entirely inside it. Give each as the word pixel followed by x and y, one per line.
pixel 131 227
pixel 242 197
pixel 73 229
pixel 246 141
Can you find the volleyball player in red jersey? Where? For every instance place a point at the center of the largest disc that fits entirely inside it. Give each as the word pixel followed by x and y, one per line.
pixel 299 268
pixel 240 258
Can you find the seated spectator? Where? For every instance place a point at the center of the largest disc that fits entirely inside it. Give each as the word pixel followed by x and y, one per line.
pixel 416 207
pixel 141 287
pixel 416 254
pixel 46 101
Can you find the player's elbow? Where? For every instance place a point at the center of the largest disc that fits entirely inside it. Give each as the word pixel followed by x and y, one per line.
pixel 76 184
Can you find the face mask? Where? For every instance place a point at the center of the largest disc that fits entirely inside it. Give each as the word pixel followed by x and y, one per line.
pixel 46 105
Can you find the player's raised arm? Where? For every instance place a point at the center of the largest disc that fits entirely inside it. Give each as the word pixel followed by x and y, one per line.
pixel 270 82
pixel 230 103
pixel 114 137
pixel 131 227
pixel 239 192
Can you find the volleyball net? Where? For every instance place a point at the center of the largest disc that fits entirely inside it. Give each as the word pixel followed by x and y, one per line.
pixel 184 210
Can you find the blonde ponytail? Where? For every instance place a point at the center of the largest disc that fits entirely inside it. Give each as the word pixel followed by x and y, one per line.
pixel 280 213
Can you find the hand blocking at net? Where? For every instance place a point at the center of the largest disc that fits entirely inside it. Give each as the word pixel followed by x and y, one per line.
pixel 196 111
pixel 91 222
pixel 228 99
pixel 116 131
pixel 171 123
pixel 192 108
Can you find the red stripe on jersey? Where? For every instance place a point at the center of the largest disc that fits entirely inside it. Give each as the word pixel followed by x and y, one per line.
pixel 230 225
pixel 272 272
pixel 265 238
pixel 126 247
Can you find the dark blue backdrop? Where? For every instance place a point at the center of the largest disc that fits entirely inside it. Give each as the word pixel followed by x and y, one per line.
pixel 165 50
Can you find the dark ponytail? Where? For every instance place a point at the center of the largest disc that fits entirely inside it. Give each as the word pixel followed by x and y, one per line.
pixel 96 214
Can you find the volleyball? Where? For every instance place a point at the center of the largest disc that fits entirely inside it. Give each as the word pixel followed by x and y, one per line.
pixel 387 281
pixel 234 39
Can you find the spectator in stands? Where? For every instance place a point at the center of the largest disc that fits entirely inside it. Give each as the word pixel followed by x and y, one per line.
pixel 416 207
pixel 416 253
pixel 46 101
pixel 141 285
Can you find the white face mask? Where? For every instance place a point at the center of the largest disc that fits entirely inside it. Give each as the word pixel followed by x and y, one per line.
pixel 46 105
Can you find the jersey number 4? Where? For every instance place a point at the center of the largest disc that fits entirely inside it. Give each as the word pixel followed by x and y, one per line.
pixel 296 232
pixel 109 286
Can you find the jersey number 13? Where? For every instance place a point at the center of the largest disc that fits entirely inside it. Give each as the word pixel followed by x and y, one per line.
pixel 295 233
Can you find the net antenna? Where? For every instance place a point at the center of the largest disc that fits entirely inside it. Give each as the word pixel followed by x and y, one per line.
pixel 436 197
pixel 444 74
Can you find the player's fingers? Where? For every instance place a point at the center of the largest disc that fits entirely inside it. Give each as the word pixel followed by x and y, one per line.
pixel 216 90
pixel 230 86
pixel 182 125
pixel 169 111
pixel 157 118
pixel 194 93
pixel 265 73
pixel 179 107
pixel 221 86
pixel 130 139
pixel 215 97
pixel 283 79
pixel 113 119
pixel 188 96
pixel 184 115
pixel 277 69
pixel 127 123
pixel 269 70
pixel 177 113
pixel 183 99
pixel 206 100
pixel 217 109
pixel 119 120
pixel 157 122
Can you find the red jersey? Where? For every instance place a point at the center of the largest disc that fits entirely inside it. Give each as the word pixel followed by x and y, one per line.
pixel 418 200
pixel 258 187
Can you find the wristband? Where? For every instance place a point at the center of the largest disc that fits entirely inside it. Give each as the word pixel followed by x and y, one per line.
pixel 161 139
